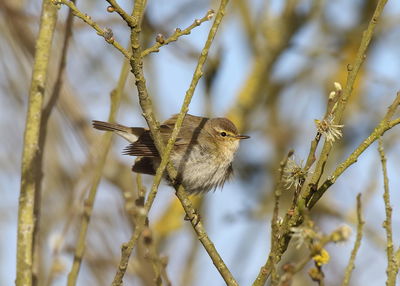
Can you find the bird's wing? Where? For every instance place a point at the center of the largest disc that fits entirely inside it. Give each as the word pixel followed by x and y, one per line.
pixel 144 146
pixel 189 132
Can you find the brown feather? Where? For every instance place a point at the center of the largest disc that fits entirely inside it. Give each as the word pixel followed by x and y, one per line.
pixel 144 165
pixel 144 146
pixel 107 126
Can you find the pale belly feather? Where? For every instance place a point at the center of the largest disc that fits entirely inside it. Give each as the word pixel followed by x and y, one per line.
pixel 198 173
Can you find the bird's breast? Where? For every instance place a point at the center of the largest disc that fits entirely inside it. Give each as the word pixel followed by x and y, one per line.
pixel 201 170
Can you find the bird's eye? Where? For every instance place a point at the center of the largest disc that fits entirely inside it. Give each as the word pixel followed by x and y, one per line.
pixel 223 134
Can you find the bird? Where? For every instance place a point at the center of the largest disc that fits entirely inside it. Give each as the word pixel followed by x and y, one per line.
pixel 202 154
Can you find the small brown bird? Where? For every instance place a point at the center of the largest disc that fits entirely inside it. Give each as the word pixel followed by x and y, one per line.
pixel 202 154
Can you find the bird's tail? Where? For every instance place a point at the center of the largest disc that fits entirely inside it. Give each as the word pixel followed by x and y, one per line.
pixel 130 134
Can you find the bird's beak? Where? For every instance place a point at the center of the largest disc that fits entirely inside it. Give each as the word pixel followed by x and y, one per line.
pixel 242 137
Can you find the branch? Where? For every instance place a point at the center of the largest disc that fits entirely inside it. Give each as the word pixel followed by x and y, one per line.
pixel 105 33
pixel 105 144
pixel 379 130
pixel 30 170
pixel 148 114
pixel 178 33
pixel 131 21
pixel 392 267
pixel 357 243
pixel 295 217
pixel 270 265
pixel 353 70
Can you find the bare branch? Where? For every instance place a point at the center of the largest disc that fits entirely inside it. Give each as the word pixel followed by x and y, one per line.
pixel 178 33
pixel 381 128
pixel 30 169
pixel 353 70
pixel 392 267
pixel 131 21
pixel 357 243
pixel 105 33
pixel 270 265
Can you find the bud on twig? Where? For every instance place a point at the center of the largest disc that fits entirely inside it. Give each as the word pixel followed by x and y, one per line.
pixel 160 38
pixel 108 35
pixel 210 14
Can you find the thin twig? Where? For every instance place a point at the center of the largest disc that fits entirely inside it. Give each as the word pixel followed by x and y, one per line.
pixel 270 265
pixel 177 33
pixel 105 33
pixel 275 220
pixel 332 100
pixel 30 170
pixel 131 21
pixel 159 263
pixel 311 154
pixel 353 70
pixel 105 144
pixel 379 130
pixel 357 243
pixel 392 267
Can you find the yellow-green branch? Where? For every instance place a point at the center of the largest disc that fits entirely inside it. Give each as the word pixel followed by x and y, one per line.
pixel 353 70
pixel 177 34
pixel 30 169
pixel 382 127
pixel 105 33
pixel 392 266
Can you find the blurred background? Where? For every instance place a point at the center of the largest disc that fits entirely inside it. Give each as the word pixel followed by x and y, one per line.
pixel 270 70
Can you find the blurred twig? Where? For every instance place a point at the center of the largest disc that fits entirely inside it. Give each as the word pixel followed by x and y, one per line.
pixel 30 172
pixel 252 90
pixel 357 243
pixel 392 267
pixel 44 121
pixel 159 263
pixel 105 144
pixel 47 111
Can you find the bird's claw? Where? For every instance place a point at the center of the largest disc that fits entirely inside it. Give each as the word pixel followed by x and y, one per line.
pixel 195 219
